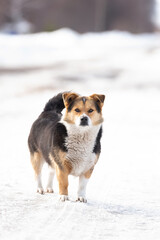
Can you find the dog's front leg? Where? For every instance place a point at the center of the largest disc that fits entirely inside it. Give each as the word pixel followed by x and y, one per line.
pixel 83 180
pixel 62 177
pixel 81 196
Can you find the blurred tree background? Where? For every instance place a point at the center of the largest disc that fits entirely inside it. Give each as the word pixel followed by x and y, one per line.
pixel 22 16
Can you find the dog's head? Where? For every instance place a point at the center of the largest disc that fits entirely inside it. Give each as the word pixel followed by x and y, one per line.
pixel 83 111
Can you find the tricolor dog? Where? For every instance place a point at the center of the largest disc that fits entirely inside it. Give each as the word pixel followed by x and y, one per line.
pixel 69 142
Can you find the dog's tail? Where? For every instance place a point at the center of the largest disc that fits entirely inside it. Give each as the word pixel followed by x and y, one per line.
pixel 55 104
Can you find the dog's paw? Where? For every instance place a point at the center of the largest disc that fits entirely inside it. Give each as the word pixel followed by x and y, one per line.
pixel 63 198
pixel 40 190
pixel 49 190
pixel 81 199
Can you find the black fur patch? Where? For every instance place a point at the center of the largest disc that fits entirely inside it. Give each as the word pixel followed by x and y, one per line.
pixel 55 104
pixel 97 107
pixel 97 146
pixel 60 134
pixel 71 105
pixel 31 145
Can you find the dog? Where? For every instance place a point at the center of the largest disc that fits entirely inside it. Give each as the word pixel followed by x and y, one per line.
pixel 70 142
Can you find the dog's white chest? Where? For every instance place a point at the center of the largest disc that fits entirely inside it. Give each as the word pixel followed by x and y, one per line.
pixel 80 143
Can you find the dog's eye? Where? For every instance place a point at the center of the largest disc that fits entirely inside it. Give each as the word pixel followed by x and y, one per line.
pixel 90 110
pixel 77 110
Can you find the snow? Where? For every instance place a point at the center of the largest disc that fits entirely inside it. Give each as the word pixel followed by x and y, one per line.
pixel 124 190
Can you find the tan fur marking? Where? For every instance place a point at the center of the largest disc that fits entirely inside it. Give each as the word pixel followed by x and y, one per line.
pixel 66 165
pixel 68 120
pixel 36 160
pixel 62 156
pixel 52 161
pixel 62 177
pixel 98 98
pixel 97 157
pixel 89 173
pixel 95 116
pixel 68 98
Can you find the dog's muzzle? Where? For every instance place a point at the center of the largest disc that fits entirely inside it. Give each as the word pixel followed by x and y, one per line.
pixel 84 121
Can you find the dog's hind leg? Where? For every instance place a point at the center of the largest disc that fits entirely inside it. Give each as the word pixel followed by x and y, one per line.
pixel 50 180
pixel 37 164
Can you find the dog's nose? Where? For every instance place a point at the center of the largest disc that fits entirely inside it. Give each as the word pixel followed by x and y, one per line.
pixel 84 121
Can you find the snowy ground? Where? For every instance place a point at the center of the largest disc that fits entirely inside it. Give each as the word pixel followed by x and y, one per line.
pixel 124 190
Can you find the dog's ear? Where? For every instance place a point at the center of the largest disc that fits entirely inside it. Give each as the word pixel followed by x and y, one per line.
pixel 99 99
pixel 68 98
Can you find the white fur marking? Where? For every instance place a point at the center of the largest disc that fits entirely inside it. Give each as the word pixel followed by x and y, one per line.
pixel 78 120
pixel 82 189
pixel 63 198
pixel 50 180
pixel 80 143
pixel 39 184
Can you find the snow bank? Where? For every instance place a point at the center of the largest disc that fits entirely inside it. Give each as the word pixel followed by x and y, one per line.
pixel 132 59
pixel 63 45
